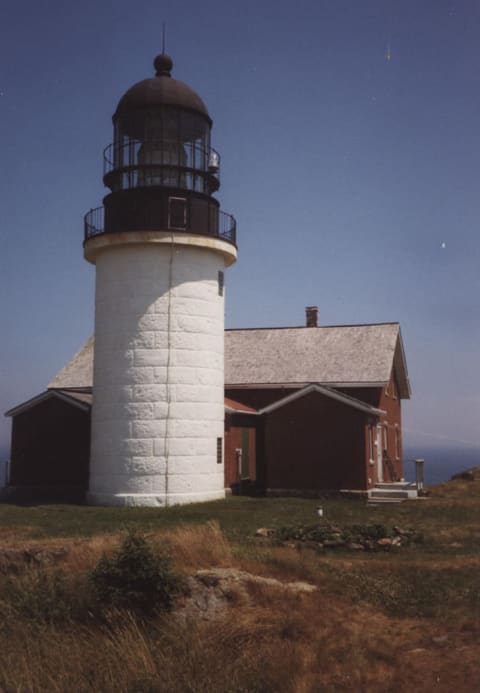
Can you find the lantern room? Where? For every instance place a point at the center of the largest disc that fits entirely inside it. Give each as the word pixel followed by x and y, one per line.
pixel 160 168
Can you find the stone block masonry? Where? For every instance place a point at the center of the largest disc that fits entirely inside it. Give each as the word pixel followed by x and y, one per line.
pixel 158 375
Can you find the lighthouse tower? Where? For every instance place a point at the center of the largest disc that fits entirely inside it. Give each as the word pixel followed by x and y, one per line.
pixel 160 245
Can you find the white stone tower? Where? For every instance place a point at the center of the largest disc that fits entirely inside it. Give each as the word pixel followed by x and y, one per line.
pixel 160 246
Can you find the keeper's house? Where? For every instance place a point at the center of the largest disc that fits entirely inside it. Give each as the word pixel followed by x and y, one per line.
pixel 307 410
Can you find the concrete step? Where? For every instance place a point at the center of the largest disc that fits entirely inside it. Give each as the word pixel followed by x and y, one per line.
pixel 394 492
pixel 395 485
pixel 387 493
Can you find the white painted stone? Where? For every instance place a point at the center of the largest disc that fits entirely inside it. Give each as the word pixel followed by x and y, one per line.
pixel 190 483
pixel 149 429
pixel 158 375
pixel 186 447
pixel 188 357
pixel 195 393
pixel 149 393
pixel 148 465
pixel 151 357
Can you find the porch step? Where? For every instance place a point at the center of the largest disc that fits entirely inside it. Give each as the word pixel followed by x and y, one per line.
pixel 395 485
pixel 394 492
pixel 387 493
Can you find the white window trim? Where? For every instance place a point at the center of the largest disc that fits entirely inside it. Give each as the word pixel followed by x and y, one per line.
pixel 397 441
pixel 177 199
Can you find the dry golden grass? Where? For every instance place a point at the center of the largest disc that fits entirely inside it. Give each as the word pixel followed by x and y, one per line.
pixel 282 642
pixel 197 546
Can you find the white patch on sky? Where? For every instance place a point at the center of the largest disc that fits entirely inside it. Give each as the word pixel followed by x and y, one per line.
pixel 443 245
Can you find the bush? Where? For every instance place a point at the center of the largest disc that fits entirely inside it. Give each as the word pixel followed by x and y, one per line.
pixel 135 577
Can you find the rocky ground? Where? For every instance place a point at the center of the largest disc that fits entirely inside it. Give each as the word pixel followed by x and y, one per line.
pixel 327 536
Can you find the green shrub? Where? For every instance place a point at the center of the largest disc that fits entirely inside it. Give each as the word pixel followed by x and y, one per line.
pixel 135 577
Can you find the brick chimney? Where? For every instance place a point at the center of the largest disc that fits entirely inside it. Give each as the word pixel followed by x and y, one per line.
pixel 311 314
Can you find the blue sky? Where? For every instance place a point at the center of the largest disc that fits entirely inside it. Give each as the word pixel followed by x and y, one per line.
pixel 349 136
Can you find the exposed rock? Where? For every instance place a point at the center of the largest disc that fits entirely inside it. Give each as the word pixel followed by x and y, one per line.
pixel 464 476
pixel 333 543
pixel 385 541
pixel 337 535
pixel 468 474
pixel 210 592
pixel 403 532
pixel 335 529
pixel 264 532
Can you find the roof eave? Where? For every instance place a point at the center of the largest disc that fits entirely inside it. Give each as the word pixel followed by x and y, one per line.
pixel 43 397
pixel 400 366
pixel 285 386
pixel 314 387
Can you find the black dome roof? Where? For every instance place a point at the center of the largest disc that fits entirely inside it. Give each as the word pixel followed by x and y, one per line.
pixel 161 90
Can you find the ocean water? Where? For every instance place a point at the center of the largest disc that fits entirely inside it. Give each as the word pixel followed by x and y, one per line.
pixel 440 463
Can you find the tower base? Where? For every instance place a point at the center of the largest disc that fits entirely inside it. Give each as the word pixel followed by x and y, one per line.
pixel 152 500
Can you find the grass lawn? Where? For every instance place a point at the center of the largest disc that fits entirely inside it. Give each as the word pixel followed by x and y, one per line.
pixel 451 514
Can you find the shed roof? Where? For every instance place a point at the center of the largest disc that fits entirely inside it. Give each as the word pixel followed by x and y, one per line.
pixel 80 400
pixel 337 356
pixel 234 407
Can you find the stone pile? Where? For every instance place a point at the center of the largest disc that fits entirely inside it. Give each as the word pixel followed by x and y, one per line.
pixel 327 536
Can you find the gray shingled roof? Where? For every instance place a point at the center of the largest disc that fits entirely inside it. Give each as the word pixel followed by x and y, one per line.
pixel 336 356
pixel 346 355
pixel 78 373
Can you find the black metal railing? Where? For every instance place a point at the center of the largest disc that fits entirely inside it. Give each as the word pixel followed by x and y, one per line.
pixel 161 162
pixel 222 226
pixel 227 227
pixel 94 222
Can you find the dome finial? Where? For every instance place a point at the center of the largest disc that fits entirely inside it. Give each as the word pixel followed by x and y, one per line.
pixel 163 65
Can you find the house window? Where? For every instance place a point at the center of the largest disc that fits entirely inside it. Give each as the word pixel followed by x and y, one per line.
pixel 219 451
pixel 370 442
pixel 221 283
pixel 397 442
pixel 177 213
pixel 385 436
